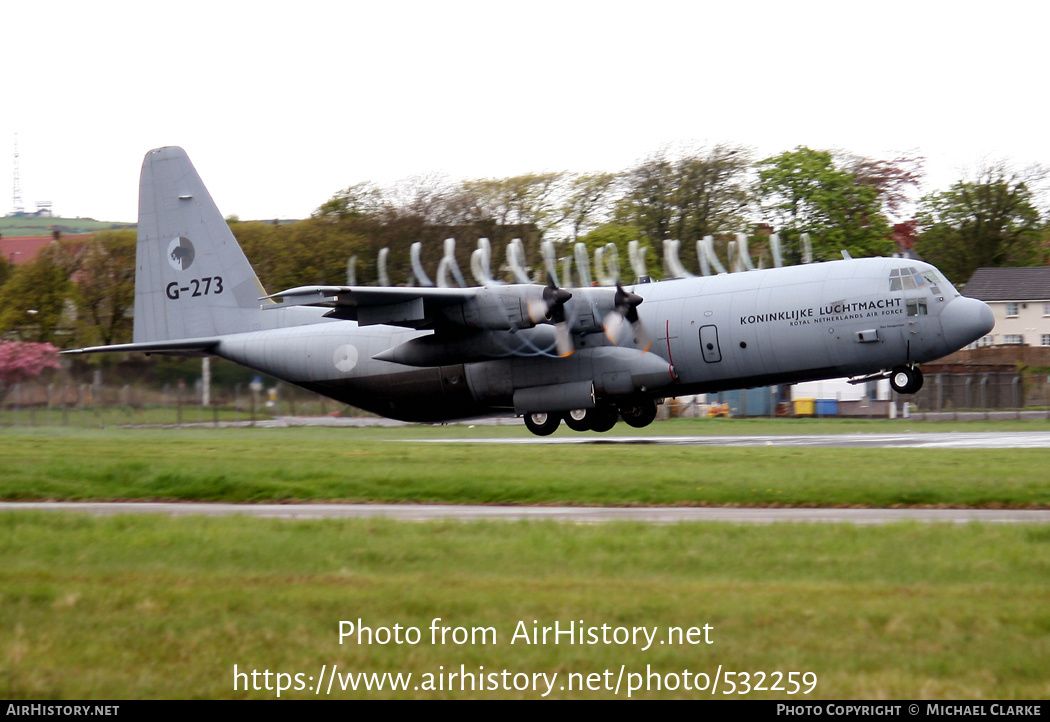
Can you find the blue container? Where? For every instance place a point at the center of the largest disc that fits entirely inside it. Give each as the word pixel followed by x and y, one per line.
pixel 827 407
pixel 747 402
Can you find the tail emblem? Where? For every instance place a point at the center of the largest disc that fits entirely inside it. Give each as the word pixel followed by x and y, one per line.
pixel 180 253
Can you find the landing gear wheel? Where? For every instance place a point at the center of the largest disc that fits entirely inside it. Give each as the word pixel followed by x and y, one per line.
pixel 603 418
pixel 906 379
pixel 579 419
pixel 542 423
pixel 639 413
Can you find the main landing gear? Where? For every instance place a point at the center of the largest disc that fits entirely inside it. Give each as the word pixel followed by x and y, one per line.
pixel 636 412
pixel 906 379
pixel 542 423
pixel 601 418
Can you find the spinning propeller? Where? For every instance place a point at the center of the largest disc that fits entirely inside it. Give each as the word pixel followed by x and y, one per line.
pixel 552 308
pixel 626 311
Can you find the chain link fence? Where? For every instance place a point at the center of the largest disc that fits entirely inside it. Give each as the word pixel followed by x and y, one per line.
pixel 93 405
pixel 983 390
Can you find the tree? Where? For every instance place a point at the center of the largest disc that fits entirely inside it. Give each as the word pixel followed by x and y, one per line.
pixel 524 200
pixel 358 200
pixel 991 220
pixel 804 192
pixel 701 193
pixel 894 180
pixel 20 361
pixel 587 202
pixel 5 270
pixel 104 288
pixel 619 236
pixel 315 250
pixel 33 300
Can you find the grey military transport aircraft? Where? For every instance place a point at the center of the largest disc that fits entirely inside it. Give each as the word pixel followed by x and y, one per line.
pixel 588 356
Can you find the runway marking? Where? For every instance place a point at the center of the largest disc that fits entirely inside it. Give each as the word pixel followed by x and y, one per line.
pixel 571 514
pixel 937 440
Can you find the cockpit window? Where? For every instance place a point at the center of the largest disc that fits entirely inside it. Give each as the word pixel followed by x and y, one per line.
pixel 933 278
pixel 910 279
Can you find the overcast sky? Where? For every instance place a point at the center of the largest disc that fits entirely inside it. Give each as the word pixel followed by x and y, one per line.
pixel 282 104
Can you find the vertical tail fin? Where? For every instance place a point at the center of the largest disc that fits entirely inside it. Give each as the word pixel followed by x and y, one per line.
pixel 192 278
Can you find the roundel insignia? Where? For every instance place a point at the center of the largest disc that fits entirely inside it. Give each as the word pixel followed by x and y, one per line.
pixel 345 357
pixel 180 253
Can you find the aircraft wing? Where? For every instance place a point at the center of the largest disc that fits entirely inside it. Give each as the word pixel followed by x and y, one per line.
pixel 483 308
pixel 368 305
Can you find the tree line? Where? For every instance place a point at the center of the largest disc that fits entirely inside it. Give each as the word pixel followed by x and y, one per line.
pixel 83 295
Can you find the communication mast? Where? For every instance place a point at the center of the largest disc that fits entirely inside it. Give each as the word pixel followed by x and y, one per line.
pixel 16 196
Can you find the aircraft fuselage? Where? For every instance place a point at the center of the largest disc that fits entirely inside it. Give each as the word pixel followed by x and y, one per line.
pixel 740 330
pixel 587 356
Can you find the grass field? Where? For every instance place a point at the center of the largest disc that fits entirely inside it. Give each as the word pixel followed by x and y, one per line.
pixel 157 607
pixel 12 226
pixel 164 608
pixel 363 465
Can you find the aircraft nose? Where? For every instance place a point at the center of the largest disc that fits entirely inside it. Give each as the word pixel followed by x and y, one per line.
pixel 964 320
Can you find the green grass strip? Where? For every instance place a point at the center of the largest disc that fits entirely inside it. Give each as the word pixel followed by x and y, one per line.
pixel 158 607
pixel 286 465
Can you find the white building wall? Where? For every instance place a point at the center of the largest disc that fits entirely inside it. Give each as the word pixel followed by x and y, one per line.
pixel 1031 323
pixel 840 390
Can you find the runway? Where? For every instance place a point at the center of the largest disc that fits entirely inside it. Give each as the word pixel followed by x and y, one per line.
pixel 935 440
pixel 568 514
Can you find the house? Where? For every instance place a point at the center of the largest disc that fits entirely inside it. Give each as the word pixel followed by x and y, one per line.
pixel 23 250
pixel 1020 301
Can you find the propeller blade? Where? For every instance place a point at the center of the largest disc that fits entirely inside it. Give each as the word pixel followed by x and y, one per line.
pixel 626 302
pixel 538 311
pixel 554 299
pixel 563 339
pixel 641 336
pixel 614 324
pixel 552 309
pixel 626 312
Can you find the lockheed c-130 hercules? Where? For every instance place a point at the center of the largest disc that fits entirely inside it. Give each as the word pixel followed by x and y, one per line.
pixel 588 356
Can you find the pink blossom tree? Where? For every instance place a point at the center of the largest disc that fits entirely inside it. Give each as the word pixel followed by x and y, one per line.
pixel 22 361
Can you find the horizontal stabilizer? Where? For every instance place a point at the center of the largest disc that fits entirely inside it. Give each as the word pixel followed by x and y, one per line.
pixel 182 347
